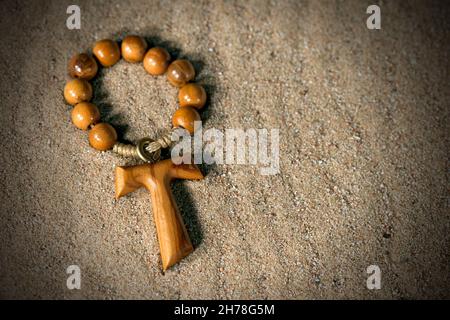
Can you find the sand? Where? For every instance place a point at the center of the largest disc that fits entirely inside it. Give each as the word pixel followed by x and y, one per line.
pixel 364 147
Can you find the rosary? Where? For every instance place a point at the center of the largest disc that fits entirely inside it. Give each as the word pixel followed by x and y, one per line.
pixel 154 175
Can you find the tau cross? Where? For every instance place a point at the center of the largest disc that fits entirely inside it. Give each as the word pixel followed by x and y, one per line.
pixel 174 242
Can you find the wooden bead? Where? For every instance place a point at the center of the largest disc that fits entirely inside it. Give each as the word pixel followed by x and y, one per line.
pixel 156 61
pixel 180 72
pixel 82 66
pixel 184 118
pixel 107 52
pixel 133 48
pixel 77 90
pixel 102 136
pixel 192 95
pixel 84 115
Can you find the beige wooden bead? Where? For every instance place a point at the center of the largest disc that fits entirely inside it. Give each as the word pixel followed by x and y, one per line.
pixel 192 95
pixel 82 66
pixel 180 72
pixel 77 90
pixel 134 48
pixel 156 61
pixel 107 52
pixel 185 118
pixel 84 115
pixel 102 136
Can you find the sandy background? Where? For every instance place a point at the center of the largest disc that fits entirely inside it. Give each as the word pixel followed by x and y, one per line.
pixel 364 133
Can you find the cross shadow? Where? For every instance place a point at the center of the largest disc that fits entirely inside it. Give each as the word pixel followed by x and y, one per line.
pixel 189 212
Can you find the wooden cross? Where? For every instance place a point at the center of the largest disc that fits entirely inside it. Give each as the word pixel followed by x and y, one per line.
pixel 174 242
